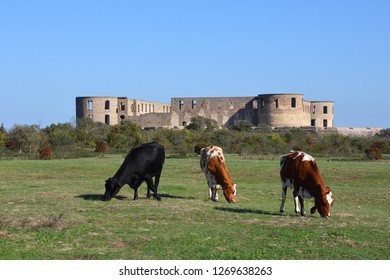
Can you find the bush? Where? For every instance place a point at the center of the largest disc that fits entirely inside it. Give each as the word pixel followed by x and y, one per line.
pixel 373 153
pixel 199 147
pixel 45 153
pixel 202 123
pixel 101 147
pixel 243 125
pixel 126 135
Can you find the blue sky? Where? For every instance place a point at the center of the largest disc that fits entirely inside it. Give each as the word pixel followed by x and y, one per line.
pixel 53 51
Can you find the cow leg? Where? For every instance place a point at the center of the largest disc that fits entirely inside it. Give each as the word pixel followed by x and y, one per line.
pixel 213 192
pixel 284 194
pixel 302 202
pixel 156 182
pixel 135 185
pixel 148 193
pixel 213 195
pixel 296 201
pixel 149 181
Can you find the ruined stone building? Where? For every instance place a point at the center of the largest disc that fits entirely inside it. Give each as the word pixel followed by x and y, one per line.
pixel 275 110
pixel 112 110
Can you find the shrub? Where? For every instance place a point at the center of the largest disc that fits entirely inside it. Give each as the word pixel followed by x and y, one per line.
pixel 202 123
pixel 199 147
pixel 243 125
pixel 373 153
pixel 45 151
pixel 101 146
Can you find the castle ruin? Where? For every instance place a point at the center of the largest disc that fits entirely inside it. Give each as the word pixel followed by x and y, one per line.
pixel 275 110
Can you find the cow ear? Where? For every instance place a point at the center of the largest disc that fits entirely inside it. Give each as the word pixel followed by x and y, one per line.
pixel 327 190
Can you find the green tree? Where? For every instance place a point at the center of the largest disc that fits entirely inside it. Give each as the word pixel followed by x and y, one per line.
pixel 202 123
pixel 24 138
pixel 3 136
pixel 125 136
pixel 61 134
pixel 243 125
pixel 85 131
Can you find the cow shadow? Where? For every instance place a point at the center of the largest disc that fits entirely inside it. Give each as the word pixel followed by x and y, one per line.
pixel 165 195
pixel 248 211
pixel 97 197
pixel 94 197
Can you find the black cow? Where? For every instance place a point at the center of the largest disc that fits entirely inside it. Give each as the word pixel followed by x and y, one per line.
pixel 141 164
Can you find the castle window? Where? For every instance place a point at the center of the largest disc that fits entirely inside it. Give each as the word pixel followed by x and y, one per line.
pixel 138 108
pixel 325 123
pixel 123 106
pixel 276 103
pixel 255 104
pixel 90 105
pixel 262 102
pixel 293 102
pixel 313 122
pixel 181 104
pixel 107 105
pixel 325 109
pixel 107 119
pixel 122 117
pixel 193 104
pixel 150 108
pixel 314 109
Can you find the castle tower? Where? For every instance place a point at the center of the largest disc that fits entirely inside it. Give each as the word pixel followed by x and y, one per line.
pixel 98 108
pixel 322 113
pixel 280 110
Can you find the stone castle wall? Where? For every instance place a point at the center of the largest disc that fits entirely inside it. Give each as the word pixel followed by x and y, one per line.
pixel 275 110
pixel 112 110
pixel 225 110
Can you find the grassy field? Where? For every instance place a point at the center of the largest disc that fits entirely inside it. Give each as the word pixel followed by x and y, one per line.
pixel 52 210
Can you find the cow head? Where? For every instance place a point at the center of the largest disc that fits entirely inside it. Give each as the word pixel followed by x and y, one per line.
pixel 230 193
pixel 112 188
pixel 323 205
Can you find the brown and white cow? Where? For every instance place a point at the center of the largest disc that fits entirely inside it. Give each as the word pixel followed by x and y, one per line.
pixel 299 171
pixel 212 163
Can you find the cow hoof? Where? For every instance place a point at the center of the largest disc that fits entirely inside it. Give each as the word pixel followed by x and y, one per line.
pixel 281 210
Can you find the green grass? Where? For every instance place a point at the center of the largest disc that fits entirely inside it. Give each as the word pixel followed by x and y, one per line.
pixel 51 210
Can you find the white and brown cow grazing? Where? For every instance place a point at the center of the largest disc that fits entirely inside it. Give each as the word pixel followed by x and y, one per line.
pixel 212 163
pixel 299 171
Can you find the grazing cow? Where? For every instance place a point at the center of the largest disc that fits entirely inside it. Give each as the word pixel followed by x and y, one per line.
pixel 141 164
pixel 212 163
pixel 299 171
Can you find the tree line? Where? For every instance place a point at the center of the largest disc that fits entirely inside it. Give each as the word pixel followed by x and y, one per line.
pixel 88 139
